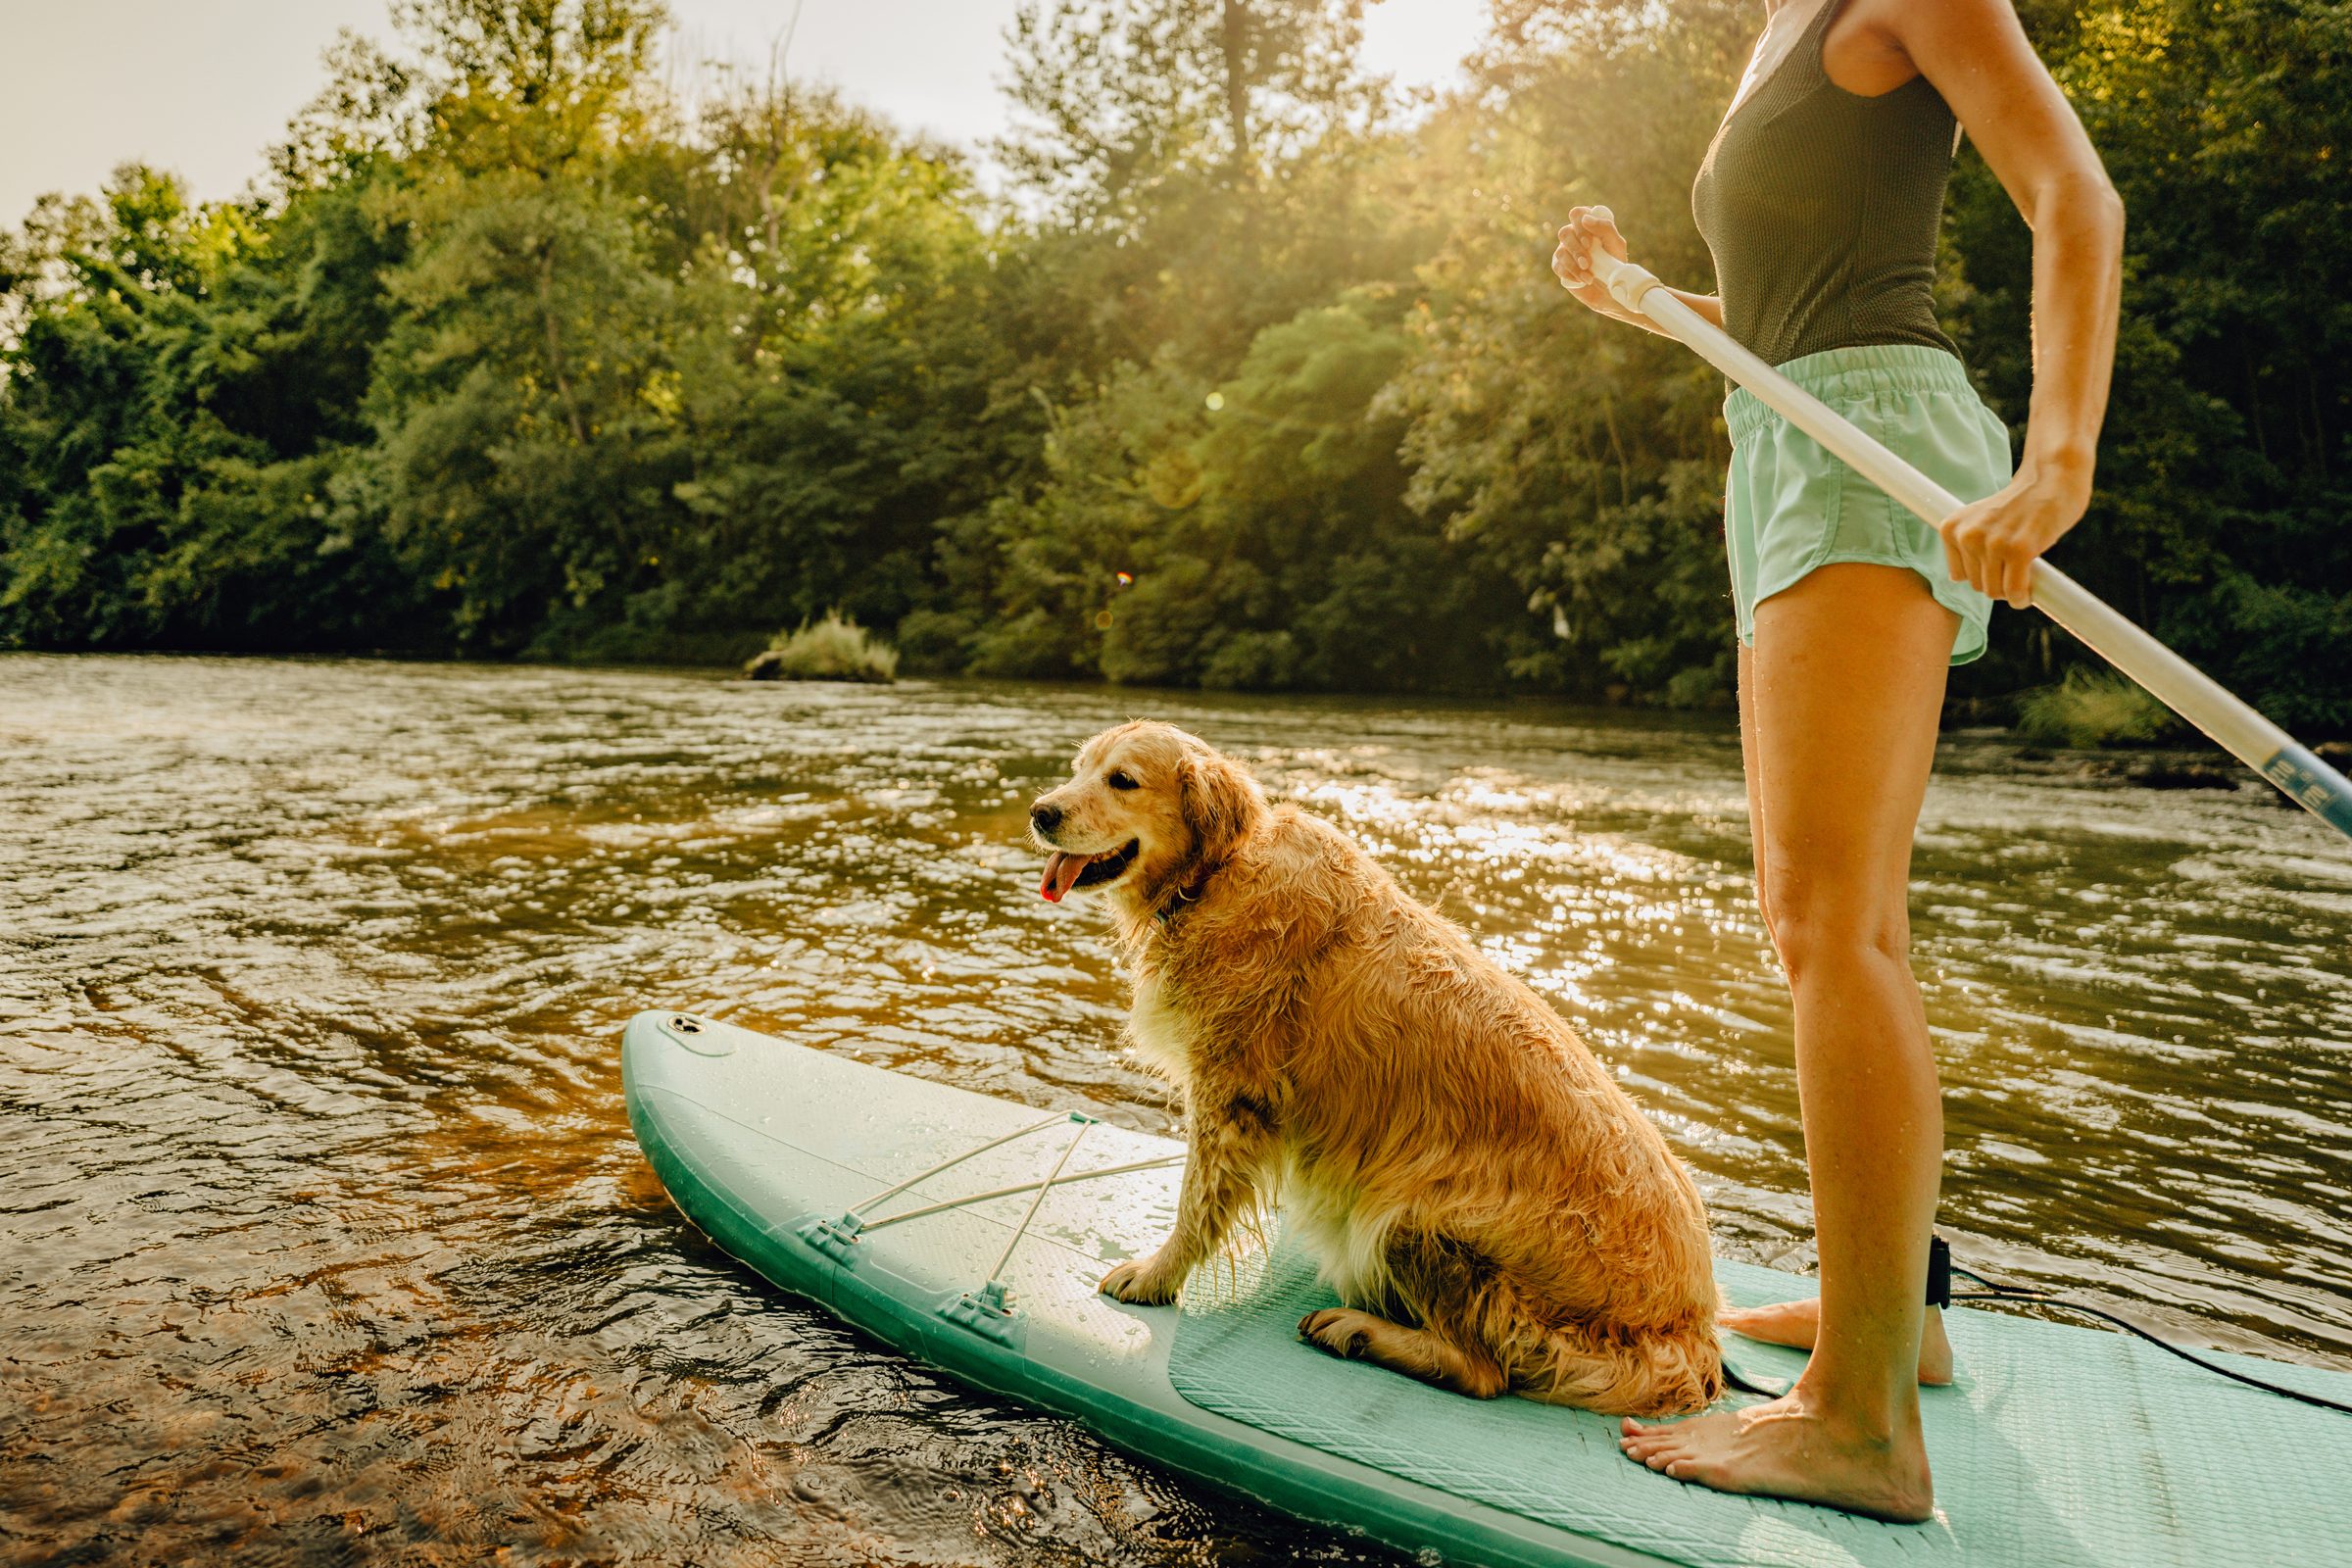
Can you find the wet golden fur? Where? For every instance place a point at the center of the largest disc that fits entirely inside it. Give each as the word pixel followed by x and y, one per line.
pixel 1496 1214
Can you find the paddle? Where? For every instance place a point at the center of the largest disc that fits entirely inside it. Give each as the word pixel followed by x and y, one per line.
pixel 2179 684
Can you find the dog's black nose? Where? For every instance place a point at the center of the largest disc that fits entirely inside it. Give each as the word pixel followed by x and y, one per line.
pixel 1046 817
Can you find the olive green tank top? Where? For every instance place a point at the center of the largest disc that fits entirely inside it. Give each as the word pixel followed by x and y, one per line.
pixel 1820 208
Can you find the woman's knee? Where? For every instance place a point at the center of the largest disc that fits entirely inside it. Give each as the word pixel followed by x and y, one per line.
pixel 1816 925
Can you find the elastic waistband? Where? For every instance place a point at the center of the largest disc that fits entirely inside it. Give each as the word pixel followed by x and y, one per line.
pixel 1852 374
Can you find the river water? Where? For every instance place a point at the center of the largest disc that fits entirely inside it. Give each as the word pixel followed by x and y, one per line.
pixel 323 1237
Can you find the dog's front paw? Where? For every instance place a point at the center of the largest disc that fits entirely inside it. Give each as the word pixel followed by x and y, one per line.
pixel 1337 1331
pixel 1139 1284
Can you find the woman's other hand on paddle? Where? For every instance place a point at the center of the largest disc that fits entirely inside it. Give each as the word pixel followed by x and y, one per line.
pixel 1572 260
pixel 1995 542
pixel 1975 53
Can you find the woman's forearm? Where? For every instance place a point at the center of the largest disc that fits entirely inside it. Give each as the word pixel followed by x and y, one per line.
pixel 2078 223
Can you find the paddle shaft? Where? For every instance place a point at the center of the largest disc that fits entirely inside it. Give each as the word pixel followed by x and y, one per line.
pixel 2176 683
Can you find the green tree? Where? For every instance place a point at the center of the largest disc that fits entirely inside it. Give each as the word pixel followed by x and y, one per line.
pixel 1253 533
pixel 1208 167
pixel 2225 468
pixel 180 393
pixel 1580 458
pixel 844 386
pixel 1118 96
pixel 525 404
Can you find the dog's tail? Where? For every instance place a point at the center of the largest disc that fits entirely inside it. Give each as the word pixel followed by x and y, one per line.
pixel 1451 1290
pixel 1616 1371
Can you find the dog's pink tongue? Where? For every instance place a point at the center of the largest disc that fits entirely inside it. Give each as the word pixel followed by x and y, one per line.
pixel 1061 874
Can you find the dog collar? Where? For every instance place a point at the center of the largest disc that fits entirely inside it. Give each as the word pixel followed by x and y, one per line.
pixel 1180 898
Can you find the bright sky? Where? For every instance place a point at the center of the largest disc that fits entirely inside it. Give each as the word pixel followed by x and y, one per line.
pixel 201 87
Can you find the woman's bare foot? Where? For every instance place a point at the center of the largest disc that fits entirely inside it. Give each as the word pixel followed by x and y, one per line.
pixel 1797 1322
pixel 1781 1450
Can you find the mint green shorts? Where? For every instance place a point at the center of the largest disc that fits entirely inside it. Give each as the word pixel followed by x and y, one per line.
pixel 1789 506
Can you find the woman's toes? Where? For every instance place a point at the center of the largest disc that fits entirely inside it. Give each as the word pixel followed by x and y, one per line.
pixel 1654 1448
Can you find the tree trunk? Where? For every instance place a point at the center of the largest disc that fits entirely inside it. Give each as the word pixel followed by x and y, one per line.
pixel 555 344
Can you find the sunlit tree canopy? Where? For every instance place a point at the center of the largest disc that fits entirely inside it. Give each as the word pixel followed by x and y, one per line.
pixel 536 339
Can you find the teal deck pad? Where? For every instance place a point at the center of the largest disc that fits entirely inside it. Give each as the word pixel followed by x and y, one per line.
pixel 2055 1448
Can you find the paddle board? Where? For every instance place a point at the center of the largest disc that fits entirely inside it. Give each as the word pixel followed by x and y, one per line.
pixel 914 1211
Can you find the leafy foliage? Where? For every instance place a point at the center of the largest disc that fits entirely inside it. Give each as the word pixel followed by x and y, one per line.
pixel 2093 709
pixel 2225 471
pixel 1121 96
pixel 831 649
pixel 534 344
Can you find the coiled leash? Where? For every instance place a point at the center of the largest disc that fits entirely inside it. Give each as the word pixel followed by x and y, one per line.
pixel 1940 1295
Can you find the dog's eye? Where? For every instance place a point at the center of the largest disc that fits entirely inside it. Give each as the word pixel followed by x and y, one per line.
pixel 1121 779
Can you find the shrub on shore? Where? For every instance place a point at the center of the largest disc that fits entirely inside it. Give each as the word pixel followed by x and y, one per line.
pixel 2090 707
pixel 831 649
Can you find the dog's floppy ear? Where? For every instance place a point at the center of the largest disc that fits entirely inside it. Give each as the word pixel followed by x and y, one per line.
pixel 1219 803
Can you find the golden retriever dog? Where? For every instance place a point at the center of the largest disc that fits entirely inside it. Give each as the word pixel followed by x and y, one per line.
pixel 1499 1216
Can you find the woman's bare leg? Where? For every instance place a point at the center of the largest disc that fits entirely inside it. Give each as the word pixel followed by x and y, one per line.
pixel 1798 1322
pixel 1847 679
